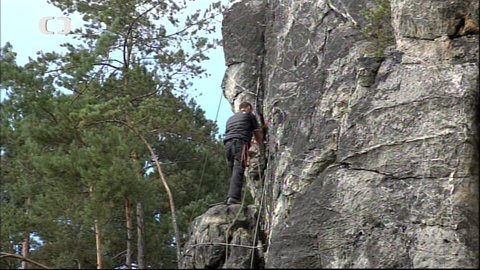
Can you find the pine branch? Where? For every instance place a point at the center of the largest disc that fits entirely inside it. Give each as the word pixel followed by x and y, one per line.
pixel 190 26
pixel 107 64
pixel 127 55
pixel 19 257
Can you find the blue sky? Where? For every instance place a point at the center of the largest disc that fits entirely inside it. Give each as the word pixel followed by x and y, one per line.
pixel 20 20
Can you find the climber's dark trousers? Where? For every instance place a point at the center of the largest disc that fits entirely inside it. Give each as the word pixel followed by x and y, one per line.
pixel 234 152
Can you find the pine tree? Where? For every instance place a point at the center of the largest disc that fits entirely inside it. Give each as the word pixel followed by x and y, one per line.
pixel 71 154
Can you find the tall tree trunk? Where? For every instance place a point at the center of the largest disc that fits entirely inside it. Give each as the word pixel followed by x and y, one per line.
pixel 140 217
pixel 140 236
pixel 98 239
pixel 26 238
pixel 172 205
pixel 25 249
pixel 167 188
pixel 128 213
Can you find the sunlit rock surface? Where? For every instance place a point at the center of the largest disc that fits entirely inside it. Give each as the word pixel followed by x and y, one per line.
pixel 372 153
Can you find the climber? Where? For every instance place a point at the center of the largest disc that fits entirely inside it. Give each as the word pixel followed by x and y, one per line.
pixel 240 129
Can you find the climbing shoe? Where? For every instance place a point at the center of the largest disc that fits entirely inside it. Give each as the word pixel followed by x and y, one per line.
pixel 232 201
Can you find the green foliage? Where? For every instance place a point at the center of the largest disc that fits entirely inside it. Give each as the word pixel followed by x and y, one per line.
pixel 139 34
pixel 379 29
pixel 70 155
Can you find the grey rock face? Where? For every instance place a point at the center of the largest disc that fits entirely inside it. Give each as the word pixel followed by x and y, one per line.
pixel 432 19
pixel 242 29
pixel 373 137
pixel 224 237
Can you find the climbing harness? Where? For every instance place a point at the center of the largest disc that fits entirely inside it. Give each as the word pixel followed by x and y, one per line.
pixel 244 157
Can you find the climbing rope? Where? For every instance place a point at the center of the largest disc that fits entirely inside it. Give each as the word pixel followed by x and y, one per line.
pixel 205 161
pixel 227 231
pixel 227 245
pixel 253 246
pixel 258 215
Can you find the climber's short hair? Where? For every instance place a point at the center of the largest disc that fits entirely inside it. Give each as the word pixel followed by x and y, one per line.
pixel 245 105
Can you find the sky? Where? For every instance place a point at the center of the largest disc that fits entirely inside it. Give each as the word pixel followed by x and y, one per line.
pixel 20 25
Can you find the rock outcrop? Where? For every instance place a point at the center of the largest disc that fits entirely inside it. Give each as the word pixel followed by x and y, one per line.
pixel 372 110
pixel 223 237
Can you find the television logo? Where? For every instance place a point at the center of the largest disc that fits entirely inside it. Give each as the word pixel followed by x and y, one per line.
pixel 67 25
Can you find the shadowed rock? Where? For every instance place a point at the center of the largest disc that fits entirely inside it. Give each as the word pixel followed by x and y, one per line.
pixel 223 237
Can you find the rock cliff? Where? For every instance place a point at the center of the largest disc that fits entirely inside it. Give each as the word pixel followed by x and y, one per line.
pixel 371 109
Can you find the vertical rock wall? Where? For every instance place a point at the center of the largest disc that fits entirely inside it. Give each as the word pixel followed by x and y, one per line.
pixel 372 157
pixel 373 163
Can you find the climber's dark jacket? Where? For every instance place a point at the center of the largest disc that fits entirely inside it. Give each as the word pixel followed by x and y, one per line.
pixel 241 126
